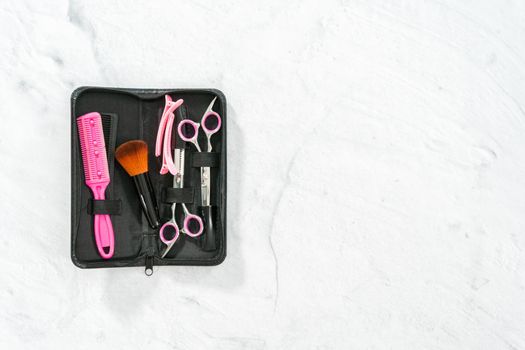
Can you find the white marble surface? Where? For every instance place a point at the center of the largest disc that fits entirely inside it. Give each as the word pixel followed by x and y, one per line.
pixel 376 174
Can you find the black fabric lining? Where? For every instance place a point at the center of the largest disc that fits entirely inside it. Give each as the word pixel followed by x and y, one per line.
pixel 206 159
pixel 137 112
pixel 105 206
pixel 178 195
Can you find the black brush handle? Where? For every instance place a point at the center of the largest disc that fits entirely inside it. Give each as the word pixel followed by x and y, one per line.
pixel 151 190
pixel 209 235
pixel 147 198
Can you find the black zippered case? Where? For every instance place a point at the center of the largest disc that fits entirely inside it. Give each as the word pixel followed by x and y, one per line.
pixel 130 114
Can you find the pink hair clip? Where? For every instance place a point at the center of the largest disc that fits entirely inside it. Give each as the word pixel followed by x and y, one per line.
pixel 163 142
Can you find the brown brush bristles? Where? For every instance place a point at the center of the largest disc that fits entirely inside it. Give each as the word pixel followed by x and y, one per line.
pixel 133 156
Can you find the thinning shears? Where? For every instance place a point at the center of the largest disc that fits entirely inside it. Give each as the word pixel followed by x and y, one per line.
pixel 188 131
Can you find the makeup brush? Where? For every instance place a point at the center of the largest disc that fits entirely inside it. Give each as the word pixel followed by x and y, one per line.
pixel 133 157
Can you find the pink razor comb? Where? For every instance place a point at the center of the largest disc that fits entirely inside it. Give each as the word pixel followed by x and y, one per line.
pixel 96 171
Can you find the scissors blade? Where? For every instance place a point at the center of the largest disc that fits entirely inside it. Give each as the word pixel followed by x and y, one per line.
pixel 178 178
pixel 205 186
pixel 210 107
pixel 168 248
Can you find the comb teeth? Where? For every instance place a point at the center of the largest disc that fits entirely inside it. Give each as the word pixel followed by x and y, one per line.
pixel 93 147
pixel 106 125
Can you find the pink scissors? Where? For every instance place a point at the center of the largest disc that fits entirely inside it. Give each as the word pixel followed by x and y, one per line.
pixel 211 123
pixel 193 225
pixel 189 131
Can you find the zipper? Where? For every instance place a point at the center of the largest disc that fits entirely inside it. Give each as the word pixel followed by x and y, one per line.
pixel 149 265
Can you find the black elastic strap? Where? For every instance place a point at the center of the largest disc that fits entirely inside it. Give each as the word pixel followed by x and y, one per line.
pixel 107 206
pixel 206 159
pixel 178 195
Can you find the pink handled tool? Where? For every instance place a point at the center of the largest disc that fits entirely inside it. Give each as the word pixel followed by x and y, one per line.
pixel 193 225
pixel 96 172
pixel 163 142
pixel 211 123
pixel 189 131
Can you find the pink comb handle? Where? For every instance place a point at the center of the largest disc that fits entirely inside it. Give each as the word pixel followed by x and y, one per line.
pixel 96 171
pixel 104 236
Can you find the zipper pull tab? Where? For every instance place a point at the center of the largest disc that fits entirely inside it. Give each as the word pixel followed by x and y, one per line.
pixel 149 265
